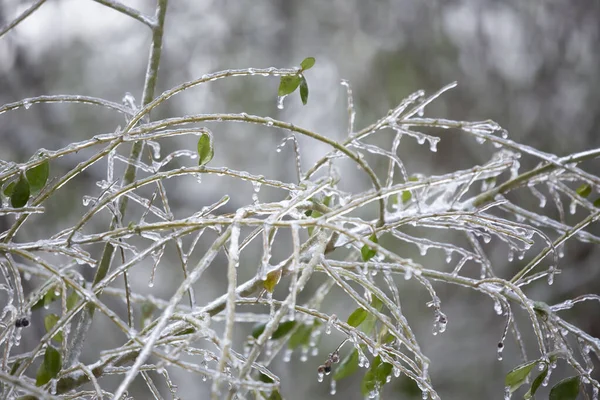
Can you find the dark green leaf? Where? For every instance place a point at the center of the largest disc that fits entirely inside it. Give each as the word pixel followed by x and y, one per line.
pixel 20 193
pixel 597 203
pixel 303 91
pixel 264 378
pixel 307 63
pixel 357 317
pixel 347 367
pixel 38 176
pixel 287 84
pixel 301 337
pixel 536 383
pixel 283 329
pixel 72 300
pixel 258 329
pixel 366 252
pixel 49 321
pixel 205 149
pixel 584 190
pixel 50 368
pixel 10 188
pixel 15 366
pixel 518 375
pixel 376 376
pixel 567 389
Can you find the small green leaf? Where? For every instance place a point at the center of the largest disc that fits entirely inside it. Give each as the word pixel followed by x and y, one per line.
pixel 205 149
pixel 369 323
pixel 15 366
pixel 367 252
pixel 38 176
pixel 304 91
pixel 283 329
pixel 567 389
pixel 49 321
pixel 584 190
pixel 597 203
pixel 50 368
pixel 518 375
pixel 301 337
pixel 264 378
pixel 272 280
pixel 327 201
pixel 536 383
pixel 48 299
pixel 406 196
pixel 72 300
pixel 10 188
pixel 258 329
pixel 287 84
pixel 20 194
pixel 347 367
pixel 307 63
pixel 357 317
pixel 376 376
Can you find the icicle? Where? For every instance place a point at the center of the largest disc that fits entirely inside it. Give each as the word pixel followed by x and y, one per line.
pixel 500 349
pixel 408 273
pixel 256 186
pixel 573 207
pixel 448 256
pixel 332 387
pixel 280 101
pixel 507 393
pixel 287 355
pixel 332 319
pixel 498 306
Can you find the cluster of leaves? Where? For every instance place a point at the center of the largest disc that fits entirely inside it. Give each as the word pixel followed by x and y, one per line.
pixel 289 83
pixel 31 182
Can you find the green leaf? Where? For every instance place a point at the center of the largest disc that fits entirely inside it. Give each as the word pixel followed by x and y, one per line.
pixel 347 367
pixel 367 252
pixel 48 299
pixel 275 395
pixel 264 378
pixel 20 194
pixel 287 84
pixel 518 375
pixel 406 196
pixel 38 176
pixel 584 190
pixel 536 383
pixel 10 188
pixel 597 203
pixel 49 321
pixel 369 323
pixel 50 368
pixel 258 329
pixel 272 280
pixel 307 63
pixel 376 376
pixel 301 337
pixel 303 90
pixel 283 329
pixel 567 389
pixel 72 300
pixel 357 317
pixel 205 149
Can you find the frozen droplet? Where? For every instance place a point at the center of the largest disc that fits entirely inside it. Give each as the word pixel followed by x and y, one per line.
pixel 396 371
pixel 332 319
pixel 573 207
pixel 498 307
pixel 500 348
pixel 280 101
pixel 421 111
pixel 511 255
pixel 304 354
pixel 448 256
pixel 423 249
pixel 287 355
pixel 151 283
pixel 26 104
pixel 433 144
pixel 256 186
pixel 320 376
pixel 332 388
pixel 269 121
pixel 408 273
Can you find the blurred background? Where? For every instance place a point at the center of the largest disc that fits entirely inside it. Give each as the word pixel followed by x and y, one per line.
pixel 533 67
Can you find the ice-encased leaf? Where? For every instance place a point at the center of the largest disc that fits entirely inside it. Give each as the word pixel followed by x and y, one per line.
pixel 367 252
pixel 38 176
pixel 347 367
pixel 584 190
pixel 567 389
pixel 357 317
pixel 303 91
pixel 518 375
pixel 49 321
pixel 20 194
pixel 536 383
pixel 376 376
pixel 272 280
pixel 50 368
pixel 307 63
pixel 205 149
pixel 287 84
